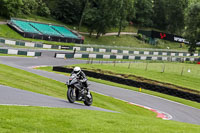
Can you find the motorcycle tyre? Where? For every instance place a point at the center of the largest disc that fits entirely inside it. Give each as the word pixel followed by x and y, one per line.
pixel 88 101
pixel 70 96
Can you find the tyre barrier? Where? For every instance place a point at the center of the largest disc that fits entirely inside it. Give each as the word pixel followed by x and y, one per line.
pixel 137 84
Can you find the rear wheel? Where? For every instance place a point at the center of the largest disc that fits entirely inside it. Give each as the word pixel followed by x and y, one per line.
pixel 88 100
pixel 70 95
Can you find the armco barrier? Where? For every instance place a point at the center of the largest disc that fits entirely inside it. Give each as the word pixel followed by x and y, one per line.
pixel 135 52
pixel 130 57
pixel 28 44
pixel 19 52
pixel 100 50
pixel 144 85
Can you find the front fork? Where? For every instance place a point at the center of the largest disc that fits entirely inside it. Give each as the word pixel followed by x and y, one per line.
pixel 73 90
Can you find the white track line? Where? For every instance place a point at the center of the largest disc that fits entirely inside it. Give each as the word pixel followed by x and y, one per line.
pixel 25 105
pixel 160 114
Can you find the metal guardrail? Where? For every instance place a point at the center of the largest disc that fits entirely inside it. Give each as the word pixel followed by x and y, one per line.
pixel 130 48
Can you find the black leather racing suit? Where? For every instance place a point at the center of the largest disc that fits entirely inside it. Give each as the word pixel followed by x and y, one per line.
pixel 82 77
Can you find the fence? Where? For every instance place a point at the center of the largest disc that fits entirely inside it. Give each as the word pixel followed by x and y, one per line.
pixel 183 69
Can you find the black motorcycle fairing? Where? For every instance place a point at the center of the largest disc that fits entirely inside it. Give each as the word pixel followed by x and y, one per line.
pixel 76 90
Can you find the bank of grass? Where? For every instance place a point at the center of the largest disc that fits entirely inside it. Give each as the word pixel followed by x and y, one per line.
pixel 51 120
pixel 130 41
pixel 172 98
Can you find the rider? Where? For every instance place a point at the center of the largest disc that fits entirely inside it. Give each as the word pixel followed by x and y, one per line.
pixel 82 77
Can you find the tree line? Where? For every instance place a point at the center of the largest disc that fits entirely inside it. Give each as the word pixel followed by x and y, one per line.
pixel 180 17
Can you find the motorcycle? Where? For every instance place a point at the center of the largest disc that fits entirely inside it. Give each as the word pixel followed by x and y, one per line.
pixel 76 90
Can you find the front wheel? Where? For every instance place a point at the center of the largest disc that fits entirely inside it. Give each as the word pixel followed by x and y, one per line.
pixel 70 95
pixel 88 100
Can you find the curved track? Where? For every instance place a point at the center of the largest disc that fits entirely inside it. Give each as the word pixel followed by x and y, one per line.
pixel 178 111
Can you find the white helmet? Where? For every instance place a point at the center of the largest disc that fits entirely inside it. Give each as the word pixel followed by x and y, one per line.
pixel 77 69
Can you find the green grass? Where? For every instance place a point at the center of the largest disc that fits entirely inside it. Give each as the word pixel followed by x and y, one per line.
pixel 129 41
pixel 51 120
pixel 172 72
pixel 7 32
pixel 176 99
pixel 41 119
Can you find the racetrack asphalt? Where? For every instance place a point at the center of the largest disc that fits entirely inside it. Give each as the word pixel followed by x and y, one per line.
pixel 179 112
pixel 13 96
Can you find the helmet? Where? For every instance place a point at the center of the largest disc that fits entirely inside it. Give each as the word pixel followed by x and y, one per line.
pixel 77 70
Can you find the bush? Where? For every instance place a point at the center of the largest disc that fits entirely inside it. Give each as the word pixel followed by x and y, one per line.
pixel 139 36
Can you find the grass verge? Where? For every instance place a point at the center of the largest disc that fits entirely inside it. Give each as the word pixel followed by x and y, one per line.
pixel 51 120
pixel 129 41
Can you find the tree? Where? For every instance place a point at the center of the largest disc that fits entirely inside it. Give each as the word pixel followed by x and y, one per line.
pixel 68 11
pixel 90 18
pixel 159 17
pixel 175 11
pixel 42 9
pixel 169 15
pixel 86 3
pixel 10 8
pixel 100 16
pixel 192 32
pixel 126 8
pixel 144 13
pixel 29 7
